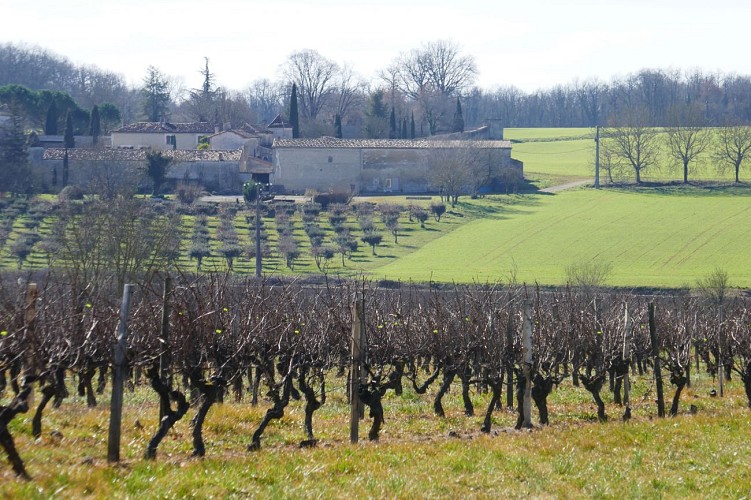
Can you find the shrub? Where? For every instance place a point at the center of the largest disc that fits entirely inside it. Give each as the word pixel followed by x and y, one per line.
pixel 69 193
pixel 187 192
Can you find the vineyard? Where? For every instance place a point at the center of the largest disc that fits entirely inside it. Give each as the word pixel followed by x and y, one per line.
pixel 200 342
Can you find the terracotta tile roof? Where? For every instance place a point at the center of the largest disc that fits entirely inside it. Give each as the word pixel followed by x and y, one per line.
pixel 167 128
pixel 180 155
pixel 331 142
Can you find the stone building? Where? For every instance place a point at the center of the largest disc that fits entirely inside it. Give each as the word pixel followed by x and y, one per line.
pixel 161 135
pixel 380 165
pixel 215 171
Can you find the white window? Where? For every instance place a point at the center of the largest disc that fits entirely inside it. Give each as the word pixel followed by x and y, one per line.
pixel 171 140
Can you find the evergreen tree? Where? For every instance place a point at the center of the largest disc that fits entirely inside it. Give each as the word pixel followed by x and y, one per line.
pixel 95 128
pixel 458 117
pixel 66 171
pixel 338 126
pixel 376 125
pixel 50 125
pixel 412 127
pixel 294 117
pixel 155 96
pixel 69 140
pixel 404 128
pixel 109 117
pixel 203 101
pixel 15 172
pixel 392 124
pixel 156 169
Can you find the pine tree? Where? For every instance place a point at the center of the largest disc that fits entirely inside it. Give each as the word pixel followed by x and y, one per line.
pixel 392 124
pixel 50 125
pixel 294 117
pixel 69 140
pixel 412 127
pixel 458 117
pixel 338 126
pixel 155 96
pixel 95 128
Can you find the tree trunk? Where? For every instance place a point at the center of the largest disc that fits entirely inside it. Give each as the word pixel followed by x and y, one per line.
pixel 170 416
pixel 496 387
pixel 448 377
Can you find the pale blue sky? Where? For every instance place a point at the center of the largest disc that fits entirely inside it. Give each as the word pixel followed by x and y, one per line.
pixel 529 44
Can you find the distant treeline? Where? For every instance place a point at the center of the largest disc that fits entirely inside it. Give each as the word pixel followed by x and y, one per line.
pixel 364 107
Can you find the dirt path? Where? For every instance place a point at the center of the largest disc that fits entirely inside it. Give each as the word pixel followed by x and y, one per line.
pixel 563 187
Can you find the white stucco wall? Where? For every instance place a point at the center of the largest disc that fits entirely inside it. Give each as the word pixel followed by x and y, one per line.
pixel 155 140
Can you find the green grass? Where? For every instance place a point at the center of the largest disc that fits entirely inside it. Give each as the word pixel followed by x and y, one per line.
pixel 662 237
pixel 569 153
pixel 687 456
pixel 654 236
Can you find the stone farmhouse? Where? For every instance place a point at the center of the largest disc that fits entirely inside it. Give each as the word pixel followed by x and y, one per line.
pixel 161 135
pixel 387 165
pixel 270 155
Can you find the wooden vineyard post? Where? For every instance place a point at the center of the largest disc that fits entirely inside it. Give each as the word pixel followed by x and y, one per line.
pixel 627 360
pixel 656 360
pixel 510 368
pixel 355 373
pixel 29 360
pixel 720 351
pixel 165 358
pixel 118 378
pixel 527 364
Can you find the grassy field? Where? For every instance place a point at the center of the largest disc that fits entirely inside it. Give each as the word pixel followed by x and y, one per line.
pixel 655 237
pixel 569 153
pixel 660 237
pixel 419 455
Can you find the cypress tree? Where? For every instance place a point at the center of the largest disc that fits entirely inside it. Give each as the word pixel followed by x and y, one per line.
pixel 412 127
pixel 95 129
pixel 404 127
pixel 338 127
pixel 65 168
pixel 68 140
pixel 392 124
pixel 294 118
pixel 50 125
pixel 458 117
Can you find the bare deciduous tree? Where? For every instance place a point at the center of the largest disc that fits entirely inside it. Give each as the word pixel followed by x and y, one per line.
pixel 315 77
pixel 631 140
pixel 734 146
pixel 687 139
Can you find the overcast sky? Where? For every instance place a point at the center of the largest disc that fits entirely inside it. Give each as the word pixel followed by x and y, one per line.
pixel 529 44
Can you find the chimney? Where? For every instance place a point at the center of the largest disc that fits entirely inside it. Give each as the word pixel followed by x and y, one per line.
pixel 216 129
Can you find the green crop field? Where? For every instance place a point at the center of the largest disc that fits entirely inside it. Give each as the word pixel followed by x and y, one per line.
pixel 662 237
pixel 569 153
pixel 653 236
